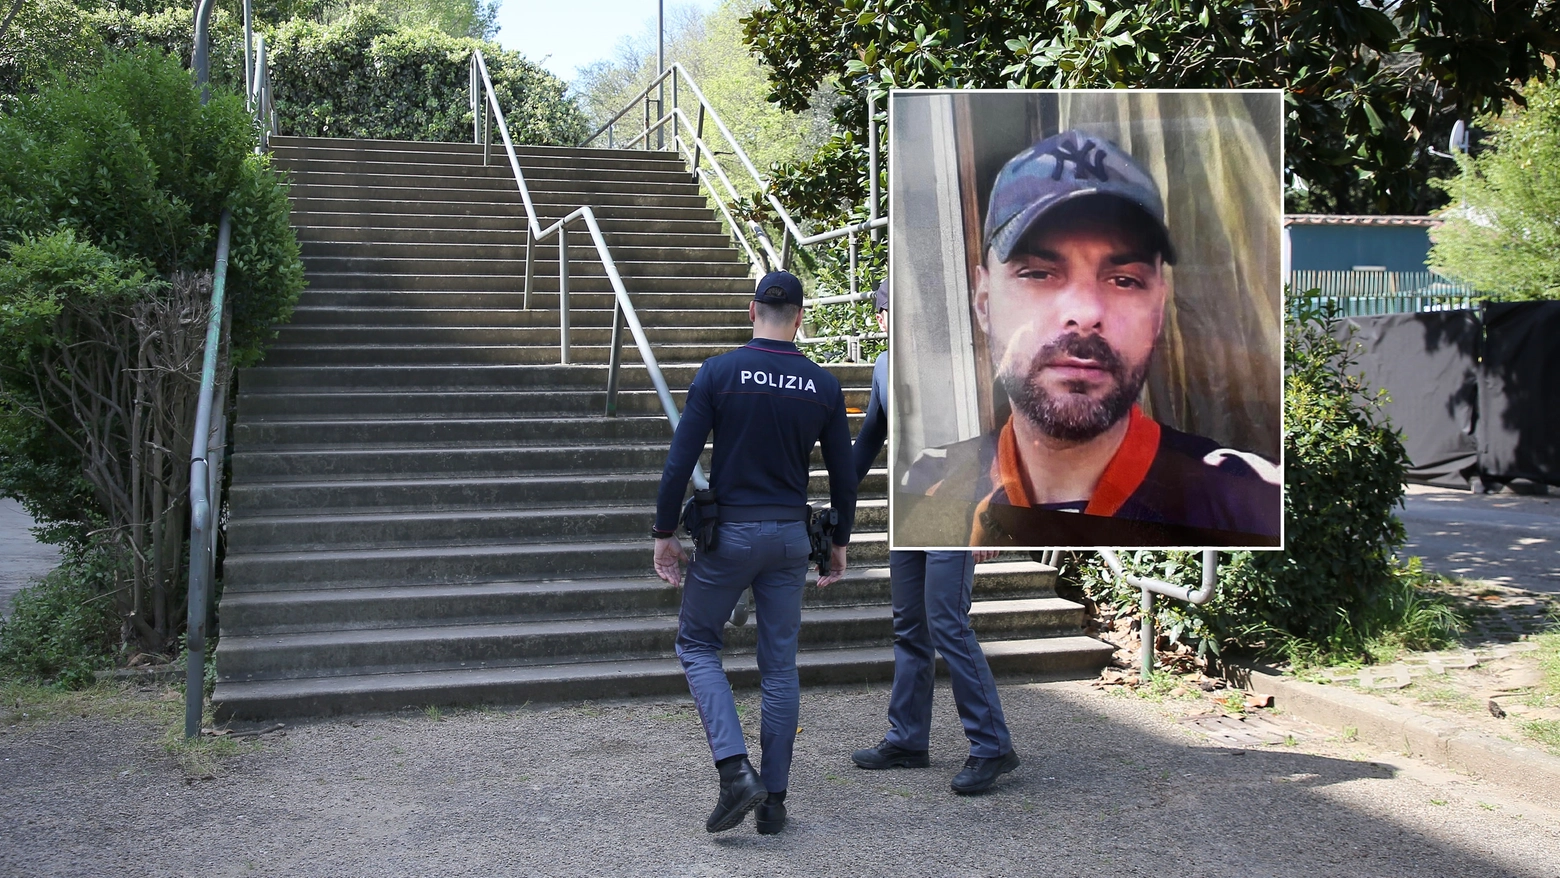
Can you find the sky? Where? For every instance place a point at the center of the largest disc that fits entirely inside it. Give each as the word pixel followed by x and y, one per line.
pixel 565 35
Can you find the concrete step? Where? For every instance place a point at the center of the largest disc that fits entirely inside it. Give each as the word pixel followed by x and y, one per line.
pixel 421 461
pixel 1037 658
pixel 423 150
pixel 586 264
pixel 727 337
pixel 304 433
pixel 544 298
pixel 473 492
pixel 507 240
pixel 307 355
pixel 389 607
pixel 491 177
pixel 545 284
pixel 480 189
pixel 437 403
pixel 271 379
pixel 659 249
pixel 512 643
pixel 651 318
pixel 306 531
pixel 551 205
pixel 312 223
pixel 437 165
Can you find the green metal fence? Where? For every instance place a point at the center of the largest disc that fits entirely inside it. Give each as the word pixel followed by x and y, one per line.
pixel 1361 293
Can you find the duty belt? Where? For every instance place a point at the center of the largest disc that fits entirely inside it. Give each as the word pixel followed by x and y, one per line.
pixel 730 514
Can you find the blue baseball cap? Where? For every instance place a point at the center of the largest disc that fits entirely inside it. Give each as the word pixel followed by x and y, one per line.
pixel 779 288
pixel 1064 168
pixel 880 296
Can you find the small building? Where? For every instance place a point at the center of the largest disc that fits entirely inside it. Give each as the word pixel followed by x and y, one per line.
pixel 1320 242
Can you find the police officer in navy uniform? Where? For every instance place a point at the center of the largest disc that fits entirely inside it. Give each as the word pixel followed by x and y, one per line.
pixel 768 405
pixel 931 595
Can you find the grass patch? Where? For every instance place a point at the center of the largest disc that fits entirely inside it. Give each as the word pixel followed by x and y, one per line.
pixel 1444 696
pixel 1408 616
pixel 1544 731
pixel 30 701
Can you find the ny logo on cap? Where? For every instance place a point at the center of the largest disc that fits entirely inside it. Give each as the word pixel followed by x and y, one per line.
pixel 1087 159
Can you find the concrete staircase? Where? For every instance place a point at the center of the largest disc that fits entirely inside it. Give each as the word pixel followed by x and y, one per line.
pixel 426 509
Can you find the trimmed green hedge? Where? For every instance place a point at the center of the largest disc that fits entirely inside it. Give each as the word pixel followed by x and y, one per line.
pixel 361 76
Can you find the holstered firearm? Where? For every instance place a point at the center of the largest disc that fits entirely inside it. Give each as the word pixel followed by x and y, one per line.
pixel 699 518
pixel 820 534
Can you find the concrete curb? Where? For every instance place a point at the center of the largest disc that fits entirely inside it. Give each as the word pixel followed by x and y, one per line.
pixel 1410 732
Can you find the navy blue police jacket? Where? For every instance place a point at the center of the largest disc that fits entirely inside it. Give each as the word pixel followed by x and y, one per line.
pixel 874 427
pixel 768 405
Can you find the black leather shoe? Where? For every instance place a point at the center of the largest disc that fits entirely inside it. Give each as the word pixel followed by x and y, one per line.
pixel 886 755
pixel 770 817
pixel 979 774
pixel 740 791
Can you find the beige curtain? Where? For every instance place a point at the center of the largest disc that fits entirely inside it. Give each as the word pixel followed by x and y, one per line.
pixel 1216 156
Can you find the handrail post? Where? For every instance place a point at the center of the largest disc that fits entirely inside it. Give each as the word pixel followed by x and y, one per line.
pixel 698 135
pixel 1148 637
pixel 203 514
pixel 563 294
pixel 487 134
pixel 614 357
pixel 472 82
pixel 872 160
pixel 249 55
pixel 530 268
pixel 852 239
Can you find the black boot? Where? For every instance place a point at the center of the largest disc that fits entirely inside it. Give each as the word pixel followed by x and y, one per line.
pixel 740 791
pixel 770 815
pixel 886 755
pixel 979 774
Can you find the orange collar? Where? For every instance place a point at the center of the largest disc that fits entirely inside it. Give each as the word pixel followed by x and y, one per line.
pixel 1122 476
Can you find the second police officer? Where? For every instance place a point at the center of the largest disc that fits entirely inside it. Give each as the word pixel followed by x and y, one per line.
pixel 768 405
pixel 931 596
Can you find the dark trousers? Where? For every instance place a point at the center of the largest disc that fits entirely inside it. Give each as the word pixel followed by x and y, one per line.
pixel 771 557
pixel 931 593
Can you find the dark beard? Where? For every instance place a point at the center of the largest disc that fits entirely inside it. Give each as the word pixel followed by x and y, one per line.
pixel 1074 416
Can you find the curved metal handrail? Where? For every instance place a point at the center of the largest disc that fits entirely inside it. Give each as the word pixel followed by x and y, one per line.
pixel 623 305
pixel 688 140
pixel 205 492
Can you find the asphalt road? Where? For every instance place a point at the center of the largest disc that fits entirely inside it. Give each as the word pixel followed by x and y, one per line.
pixel 22 558
pixel 1507 538
pixel 1111 785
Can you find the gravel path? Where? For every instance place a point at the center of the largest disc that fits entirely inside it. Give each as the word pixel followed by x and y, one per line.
pixel 22 558
pixel 1506 538
pixel 1111 786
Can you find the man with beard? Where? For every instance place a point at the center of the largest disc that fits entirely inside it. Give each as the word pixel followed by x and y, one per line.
pixel 1071 295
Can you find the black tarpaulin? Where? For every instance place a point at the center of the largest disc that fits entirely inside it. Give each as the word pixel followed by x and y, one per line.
pixel 1428 365
pixel 1519 392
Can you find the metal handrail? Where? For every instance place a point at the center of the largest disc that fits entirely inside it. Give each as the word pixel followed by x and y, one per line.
pixel 1150 587
pixel 209 440
pixel 623 306
pixel 205 491
pixel 694 148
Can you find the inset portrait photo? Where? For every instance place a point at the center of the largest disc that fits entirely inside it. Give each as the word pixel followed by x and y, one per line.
pixel 1086 319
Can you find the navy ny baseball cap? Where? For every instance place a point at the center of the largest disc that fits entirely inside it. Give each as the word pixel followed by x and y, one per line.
pixel 1063 168
pixel 880 296
pixel 779 288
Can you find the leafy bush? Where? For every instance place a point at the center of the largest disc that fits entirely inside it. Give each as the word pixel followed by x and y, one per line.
pixel 362 76
pixel 64 627
pixel 1337 589
pixel 131 160
pixel 111 187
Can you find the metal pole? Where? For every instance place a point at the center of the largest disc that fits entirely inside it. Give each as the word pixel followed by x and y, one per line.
pixel 615 357
pixel 530 268
pixel 476 126
pixel 563 295
pixel 660 68
pixel 872 160
pixel 200 59
pixel 249 55
pixel 1147 630
pixel 202 514
pixel 698 136
pixel 852 263
pixel 487 135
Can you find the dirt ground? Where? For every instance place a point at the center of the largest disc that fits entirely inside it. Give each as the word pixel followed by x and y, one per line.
pixel 1114 783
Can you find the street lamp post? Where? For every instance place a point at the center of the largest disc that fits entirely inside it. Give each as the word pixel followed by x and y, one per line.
pixel 660 68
